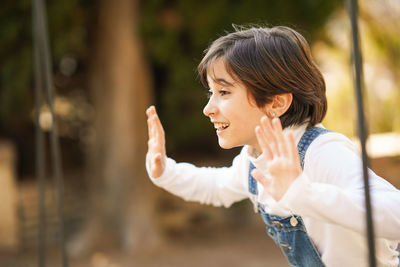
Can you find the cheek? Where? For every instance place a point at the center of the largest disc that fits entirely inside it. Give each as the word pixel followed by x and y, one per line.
pixel 251 116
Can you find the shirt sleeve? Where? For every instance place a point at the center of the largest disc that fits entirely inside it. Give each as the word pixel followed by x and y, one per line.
pixel 207 185
pixel 331 189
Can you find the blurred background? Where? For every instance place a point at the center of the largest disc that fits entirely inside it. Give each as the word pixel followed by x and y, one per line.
pixel 111 60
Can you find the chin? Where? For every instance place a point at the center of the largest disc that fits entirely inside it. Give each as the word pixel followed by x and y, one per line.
pixel 225 145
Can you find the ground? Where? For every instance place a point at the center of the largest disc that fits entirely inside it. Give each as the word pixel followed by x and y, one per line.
pixel 235 247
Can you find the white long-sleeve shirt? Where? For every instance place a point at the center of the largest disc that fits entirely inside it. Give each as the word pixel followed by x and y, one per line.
pixel 329 195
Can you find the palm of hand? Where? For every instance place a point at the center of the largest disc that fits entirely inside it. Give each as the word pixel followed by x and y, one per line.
pixel 156 143
pixel 283 164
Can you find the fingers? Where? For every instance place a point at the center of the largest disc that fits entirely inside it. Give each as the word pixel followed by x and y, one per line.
pixel 292 148
pixel 155 128
pixel 281 141
pixel 274 136
pixel 150 111
pixel 262 141
pixel 158 129
pixel 270 138
pixel 150 128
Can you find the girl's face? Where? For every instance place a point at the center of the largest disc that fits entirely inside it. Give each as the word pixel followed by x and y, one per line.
pixel 229 109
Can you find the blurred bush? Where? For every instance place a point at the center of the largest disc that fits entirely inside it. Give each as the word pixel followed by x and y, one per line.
pixel 175 34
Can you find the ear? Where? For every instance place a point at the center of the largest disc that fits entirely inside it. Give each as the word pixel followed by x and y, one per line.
pixel 280 104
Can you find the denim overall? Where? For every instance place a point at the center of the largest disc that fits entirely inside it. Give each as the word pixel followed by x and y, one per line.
pixel 289 233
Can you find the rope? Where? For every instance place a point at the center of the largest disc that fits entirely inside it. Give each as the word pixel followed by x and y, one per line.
pixel 353 11
pixel 42 70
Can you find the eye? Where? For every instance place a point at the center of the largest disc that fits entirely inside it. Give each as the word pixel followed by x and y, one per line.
pixel 208 94
pixel 223 92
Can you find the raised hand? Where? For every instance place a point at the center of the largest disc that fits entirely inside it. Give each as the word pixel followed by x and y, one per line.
pixel 280 151
pixel 156 143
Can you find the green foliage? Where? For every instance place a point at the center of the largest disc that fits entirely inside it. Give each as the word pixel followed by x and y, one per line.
pixel 67 21
pixel 383 41
pixel 176 34
pixel 15 61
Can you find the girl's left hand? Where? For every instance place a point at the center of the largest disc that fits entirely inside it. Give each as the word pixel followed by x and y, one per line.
pixel 280 151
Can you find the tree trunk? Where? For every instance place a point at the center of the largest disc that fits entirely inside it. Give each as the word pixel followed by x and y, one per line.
pixel 122 197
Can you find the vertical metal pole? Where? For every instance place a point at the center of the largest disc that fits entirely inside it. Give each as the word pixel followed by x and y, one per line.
pixel 39 136
pixel 45 67
pixel 353 11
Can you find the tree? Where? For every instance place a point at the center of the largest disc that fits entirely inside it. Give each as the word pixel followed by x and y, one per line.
pixel 122 204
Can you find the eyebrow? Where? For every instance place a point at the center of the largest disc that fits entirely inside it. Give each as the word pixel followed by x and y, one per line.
pixel 223 81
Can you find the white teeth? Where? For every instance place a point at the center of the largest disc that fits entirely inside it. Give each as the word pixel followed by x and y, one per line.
pixel 220 126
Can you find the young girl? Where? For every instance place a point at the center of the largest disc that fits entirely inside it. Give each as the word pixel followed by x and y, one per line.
pixel 267 95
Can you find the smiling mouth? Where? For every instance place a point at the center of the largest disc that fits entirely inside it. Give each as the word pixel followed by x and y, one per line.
pixel 221 126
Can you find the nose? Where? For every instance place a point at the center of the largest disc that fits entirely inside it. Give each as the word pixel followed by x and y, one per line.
pixel 210 109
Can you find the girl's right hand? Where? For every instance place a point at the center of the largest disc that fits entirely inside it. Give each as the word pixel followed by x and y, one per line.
pixel 156 144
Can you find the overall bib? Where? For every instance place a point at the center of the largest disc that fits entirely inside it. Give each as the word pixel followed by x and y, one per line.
pixel 289 233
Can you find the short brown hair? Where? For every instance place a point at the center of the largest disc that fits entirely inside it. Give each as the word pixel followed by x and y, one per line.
pixel 272 61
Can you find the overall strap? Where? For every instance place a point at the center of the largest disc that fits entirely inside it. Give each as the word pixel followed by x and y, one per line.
pixel 307 139
pixel 252 182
